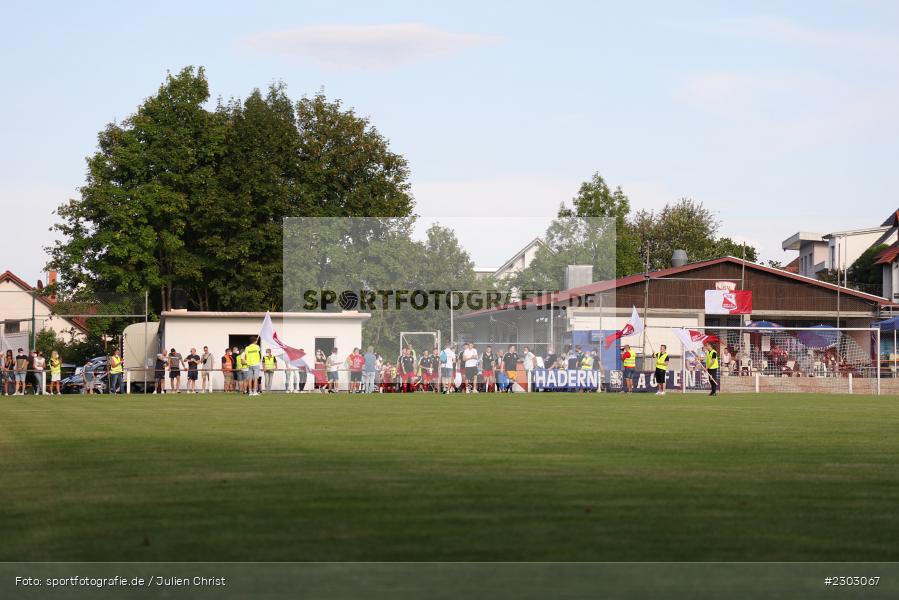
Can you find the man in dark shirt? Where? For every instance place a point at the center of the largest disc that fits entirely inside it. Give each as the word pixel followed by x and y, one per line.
pixel 21 372
pixel 406 369
pixel 510 366
pixel 193 362
pixel 489 362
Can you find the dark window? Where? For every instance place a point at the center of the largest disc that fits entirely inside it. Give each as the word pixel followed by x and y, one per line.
pixel 13 327
pixel 326 345
pixel 240 340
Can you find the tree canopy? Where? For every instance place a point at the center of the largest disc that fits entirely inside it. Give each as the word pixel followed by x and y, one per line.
pixel 181 197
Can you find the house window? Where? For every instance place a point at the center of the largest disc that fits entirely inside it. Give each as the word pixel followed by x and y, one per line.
pixel 13 327
pixel 325 344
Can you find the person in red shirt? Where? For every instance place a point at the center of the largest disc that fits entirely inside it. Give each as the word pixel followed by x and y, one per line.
pixel 356 362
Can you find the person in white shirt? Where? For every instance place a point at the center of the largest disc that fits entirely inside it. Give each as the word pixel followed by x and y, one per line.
pixel 447 364
pixel 291 376
pixel 39 363
pixel 334 363
pixel 470 358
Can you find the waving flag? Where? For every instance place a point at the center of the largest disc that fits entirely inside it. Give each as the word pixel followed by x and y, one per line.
pixel 692 339
pixel 633 327
pixel 723 302
pixel 294 356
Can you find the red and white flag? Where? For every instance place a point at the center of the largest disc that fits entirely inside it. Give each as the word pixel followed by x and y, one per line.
pixel 294 356
pixel 633 327
pixel 724 302
pixel 693 340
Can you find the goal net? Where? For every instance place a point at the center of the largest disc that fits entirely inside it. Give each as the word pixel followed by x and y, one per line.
pixel 794 359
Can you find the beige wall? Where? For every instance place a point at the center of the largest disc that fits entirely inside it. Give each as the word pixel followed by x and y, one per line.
pixel 16 303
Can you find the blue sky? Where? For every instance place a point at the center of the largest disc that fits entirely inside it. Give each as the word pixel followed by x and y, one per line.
pixel 778 116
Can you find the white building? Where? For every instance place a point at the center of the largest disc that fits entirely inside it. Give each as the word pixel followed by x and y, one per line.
pixel 183 330
pixel 516 263
pixel 836 250
pixel 23 307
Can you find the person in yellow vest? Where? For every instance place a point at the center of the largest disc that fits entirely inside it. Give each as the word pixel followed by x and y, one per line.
pixel 253 355
pixel 661 368
pixel 55 373
pixel 269 364
pixel 116 368
pixel 629 363
pixel 711 365
pixel 586 365
pixel 241 375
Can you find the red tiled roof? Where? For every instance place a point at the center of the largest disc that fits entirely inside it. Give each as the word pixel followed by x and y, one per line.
pixel 45 300
pixel 792 266
pixel 888 255
pixel 609 284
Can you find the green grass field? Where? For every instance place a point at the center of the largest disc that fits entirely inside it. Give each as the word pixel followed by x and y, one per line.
pixel 422 477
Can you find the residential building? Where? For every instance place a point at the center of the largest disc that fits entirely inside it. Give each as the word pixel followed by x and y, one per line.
pixel 24 309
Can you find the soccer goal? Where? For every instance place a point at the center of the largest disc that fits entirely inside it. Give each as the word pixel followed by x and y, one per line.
pixel 819 359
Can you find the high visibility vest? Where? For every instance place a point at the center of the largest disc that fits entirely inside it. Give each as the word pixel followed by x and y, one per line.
pixel 115 365
pixel 227 364
pixel 269 363
pixel 661 362
pixel 630 362
pixel 587 363
pixel 711 360
pixel 55 366
pixel 254 355
pixel 242 362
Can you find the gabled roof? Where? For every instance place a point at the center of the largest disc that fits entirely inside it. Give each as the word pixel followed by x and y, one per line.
pixel 892 220
pixel 537 241
pixel 792 266
pixel 887 255
pixel 602 286
pixel 45 300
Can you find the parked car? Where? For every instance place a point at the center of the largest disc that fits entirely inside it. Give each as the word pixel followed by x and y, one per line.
pixel 74 384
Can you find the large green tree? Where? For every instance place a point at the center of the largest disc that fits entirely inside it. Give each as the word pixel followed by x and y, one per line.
pixel 128 231
pixel 182 197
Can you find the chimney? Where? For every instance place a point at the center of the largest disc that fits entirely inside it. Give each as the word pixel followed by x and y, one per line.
pixel 51 280
pixel 578 275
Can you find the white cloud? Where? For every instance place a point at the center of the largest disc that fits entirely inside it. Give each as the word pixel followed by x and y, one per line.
pixel 364 46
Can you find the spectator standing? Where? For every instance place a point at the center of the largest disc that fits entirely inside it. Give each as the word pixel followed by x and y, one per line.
pixel 207 362
pixel 661 368
pixel 369 368
pixel 527 358
pixel 159 372
pixel 447 366
pixel 510 366
pixel 87 377
pixel 116 368
pixel 291 376
pixel 253 356
pixel 334 363
pixel 21 372
pixel 489 364
pixel 470 360
pixel 629 363
pixel 55 373
pixel 228 371
pixel 242 374
pixel 269 364
pixel 303 371
pixel 406 367
pixel 7 377
pixel 193 370
pixel 40 364
pixel 176 362
pixel 357 363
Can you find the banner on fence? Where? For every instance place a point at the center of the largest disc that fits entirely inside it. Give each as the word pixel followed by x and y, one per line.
pixel 613 381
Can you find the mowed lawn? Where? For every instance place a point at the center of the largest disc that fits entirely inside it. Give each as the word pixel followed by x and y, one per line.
pixel 573 477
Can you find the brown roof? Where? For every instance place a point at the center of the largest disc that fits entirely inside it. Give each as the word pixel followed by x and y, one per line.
pixel 601 286
pixel 792 266
pixel 45 300
pixel 887 255
pixel 892 220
